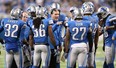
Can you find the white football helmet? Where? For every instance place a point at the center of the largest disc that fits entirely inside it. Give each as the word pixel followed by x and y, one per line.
pixel 16 13
pixel 42 12
pixel 72 9
pixel 31 8
pixel 103 11
pixel 55 5
pixel 88 7
pixel 78 13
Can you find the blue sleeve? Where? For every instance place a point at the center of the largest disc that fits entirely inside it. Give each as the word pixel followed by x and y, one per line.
pixel 62 17
pixel 56 33
pixel 27 32
pixel 23 31
pixel 50 22
pixel 60 34
pixel 30 23
pixel 113 20
pixel 108 22
pixel 68 24
pixel 54 27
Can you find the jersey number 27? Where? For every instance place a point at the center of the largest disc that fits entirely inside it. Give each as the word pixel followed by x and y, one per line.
pixel 77 31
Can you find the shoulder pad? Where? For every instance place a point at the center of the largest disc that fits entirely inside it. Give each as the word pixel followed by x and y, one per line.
pixel 51 22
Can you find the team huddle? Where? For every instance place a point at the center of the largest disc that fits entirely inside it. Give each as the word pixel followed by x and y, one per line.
pixel 36 37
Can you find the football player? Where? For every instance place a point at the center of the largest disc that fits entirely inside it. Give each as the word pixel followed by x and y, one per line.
pixel 59 30
pixel 76 36
pixel 88 8
pixel 12 28
pixel 41 29
pixel 108 47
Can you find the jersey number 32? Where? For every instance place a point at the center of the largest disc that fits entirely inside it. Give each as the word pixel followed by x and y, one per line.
pixel 11 30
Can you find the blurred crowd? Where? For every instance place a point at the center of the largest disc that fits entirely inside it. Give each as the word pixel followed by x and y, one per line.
pixel 7 5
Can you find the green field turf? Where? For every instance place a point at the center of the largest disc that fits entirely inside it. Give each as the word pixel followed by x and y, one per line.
pixel 99 58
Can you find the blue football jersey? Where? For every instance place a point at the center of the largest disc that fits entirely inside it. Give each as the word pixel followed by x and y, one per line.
pixel 95 24
pixel 12 29
pixel 57 29
pixel 108 33
pixel 41 34
pixel 30 22
pixel 94 20
pixel 56 39
pixel 61 28
pixel 62 17
pixel 78 31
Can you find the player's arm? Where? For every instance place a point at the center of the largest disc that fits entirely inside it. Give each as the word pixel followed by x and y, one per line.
pixel 111 21
pixel 110 27
pixel 101 22
pixel 51 35
pixel 67 40
pixel 90 40
pixel 96 39
pixel 31 39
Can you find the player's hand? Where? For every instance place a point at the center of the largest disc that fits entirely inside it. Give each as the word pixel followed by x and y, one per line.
pixel 24 47
pixel 64 56
pixel 57 53
pixel 58 57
